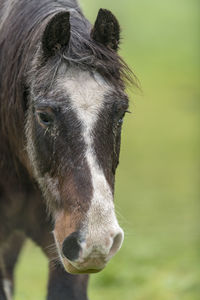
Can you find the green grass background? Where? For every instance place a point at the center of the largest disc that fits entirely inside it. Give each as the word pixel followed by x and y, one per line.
pixel 157 195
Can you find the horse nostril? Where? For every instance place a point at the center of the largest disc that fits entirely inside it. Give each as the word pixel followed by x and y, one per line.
pixel 71 247
pixel 117 242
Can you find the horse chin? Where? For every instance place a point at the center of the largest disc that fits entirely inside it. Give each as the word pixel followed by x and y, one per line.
pixel 73 270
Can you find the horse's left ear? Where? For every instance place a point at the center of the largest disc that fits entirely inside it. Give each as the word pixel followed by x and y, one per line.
pixel 56 34
pixel 106 29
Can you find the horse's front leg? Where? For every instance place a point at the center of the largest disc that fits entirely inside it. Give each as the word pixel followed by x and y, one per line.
pixel 2 291
pixel 8 258
pixel 64 286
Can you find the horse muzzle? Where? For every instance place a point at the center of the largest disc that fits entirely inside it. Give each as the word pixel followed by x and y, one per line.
pixel 81 254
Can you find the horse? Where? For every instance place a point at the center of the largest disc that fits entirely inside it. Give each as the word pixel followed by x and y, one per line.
pixel 62 105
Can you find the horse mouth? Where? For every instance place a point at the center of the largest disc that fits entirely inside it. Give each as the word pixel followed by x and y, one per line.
pixel 75 270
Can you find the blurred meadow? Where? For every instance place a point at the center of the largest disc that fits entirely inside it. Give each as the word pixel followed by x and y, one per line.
pixel 157 193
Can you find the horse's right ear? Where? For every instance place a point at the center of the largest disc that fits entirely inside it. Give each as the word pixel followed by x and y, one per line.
pixel 57 34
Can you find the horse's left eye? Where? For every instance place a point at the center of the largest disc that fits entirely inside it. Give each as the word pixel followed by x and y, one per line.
pixel 44 118
pixel 120 121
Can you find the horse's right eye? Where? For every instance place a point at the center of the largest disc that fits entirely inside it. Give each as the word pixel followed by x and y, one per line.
pixel 44 118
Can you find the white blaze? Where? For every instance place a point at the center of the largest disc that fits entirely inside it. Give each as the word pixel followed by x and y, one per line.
pixel 87 99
